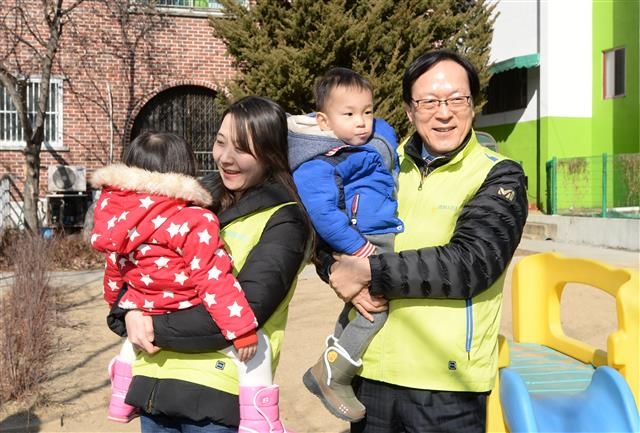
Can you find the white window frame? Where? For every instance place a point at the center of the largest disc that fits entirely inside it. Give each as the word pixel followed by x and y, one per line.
pixel 614 75
pixel 12 136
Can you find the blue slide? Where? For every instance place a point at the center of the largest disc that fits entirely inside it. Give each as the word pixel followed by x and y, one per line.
pixel 606 405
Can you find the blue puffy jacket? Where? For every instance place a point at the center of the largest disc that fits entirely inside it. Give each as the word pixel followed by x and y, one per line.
pixel 348 192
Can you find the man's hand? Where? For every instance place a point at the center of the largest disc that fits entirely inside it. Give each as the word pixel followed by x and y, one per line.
pixel 140 331
pixel 367 304
pixel 349 275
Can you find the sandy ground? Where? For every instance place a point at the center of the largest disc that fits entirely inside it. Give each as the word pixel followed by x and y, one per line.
pixel 78 390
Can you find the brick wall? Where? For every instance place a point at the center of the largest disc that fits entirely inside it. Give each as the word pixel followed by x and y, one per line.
pixel 98 57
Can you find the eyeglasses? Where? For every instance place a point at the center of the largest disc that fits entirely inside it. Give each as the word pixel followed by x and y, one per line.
pixel 457 103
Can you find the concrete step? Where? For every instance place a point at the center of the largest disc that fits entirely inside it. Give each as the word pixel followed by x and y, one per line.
pixel 540 231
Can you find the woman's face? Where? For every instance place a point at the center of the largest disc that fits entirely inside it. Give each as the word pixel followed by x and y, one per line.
pixel 239 170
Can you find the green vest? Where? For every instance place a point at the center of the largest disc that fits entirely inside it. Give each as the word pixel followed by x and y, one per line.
pixel 214 369
pixel 438 344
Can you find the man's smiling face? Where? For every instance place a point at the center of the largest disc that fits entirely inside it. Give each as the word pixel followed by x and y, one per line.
pixel 442 130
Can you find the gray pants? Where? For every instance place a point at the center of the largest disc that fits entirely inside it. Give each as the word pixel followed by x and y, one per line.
pixel 354 336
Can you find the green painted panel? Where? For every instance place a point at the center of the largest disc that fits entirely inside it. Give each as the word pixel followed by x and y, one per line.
pixel 565 137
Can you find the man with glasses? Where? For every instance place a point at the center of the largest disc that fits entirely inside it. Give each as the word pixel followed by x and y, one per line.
pixel 464 206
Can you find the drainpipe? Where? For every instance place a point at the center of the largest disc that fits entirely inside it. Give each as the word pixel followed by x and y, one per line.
pixel 110 108
pixel 539 164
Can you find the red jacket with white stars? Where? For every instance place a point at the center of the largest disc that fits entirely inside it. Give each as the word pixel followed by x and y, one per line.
pixel 160 241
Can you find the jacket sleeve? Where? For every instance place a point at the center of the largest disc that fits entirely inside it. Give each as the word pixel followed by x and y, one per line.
pixel 317 185
pixel 484 240
pixel 211 269
pixel 112 280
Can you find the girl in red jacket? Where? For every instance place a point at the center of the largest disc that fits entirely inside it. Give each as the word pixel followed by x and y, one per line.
pixel 160 240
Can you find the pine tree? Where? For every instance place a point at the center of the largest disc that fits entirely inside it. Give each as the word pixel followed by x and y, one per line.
pixel 281 46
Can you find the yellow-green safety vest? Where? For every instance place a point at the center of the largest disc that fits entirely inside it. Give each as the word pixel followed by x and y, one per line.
pixel 214 369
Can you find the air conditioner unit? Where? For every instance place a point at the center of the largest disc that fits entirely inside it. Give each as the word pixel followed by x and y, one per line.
pixel 66 178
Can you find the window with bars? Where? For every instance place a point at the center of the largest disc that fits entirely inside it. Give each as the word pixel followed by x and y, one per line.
pixel 189 111
pixel 11 133
pixel 614 73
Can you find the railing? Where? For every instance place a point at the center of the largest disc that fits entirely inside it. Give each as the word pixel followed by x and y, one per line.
pixel 205 4
pixel 4 200
pixel 10 215
pixel 606 186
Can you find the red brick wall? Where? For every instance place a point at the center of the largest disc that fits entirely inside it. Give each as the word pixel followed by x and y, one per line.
pixel 179 50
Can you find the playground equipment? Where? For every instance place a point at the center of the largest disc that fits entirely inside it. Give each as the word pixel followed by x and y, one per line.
pixel 549 381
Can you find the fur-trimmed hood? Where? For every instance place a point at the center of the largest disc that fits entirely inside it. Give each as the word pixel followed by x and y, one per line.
pixel 138 207
pixel 172 185
pixel 307 140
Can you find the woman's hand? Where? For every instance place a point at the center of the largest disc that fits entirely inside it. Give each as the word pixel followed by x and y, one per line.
pixel 366 304
pixel 140 331
pixel 349 275
pixel 247 352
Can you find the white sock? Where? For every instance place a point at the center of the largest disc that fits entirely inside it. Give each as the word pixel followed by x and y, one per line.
pixel 127 352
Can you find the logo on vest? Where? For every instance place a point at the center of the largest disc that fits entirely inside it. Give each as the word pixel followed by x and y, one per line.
pixel 220 365
pixel 509 194
pixel 453 365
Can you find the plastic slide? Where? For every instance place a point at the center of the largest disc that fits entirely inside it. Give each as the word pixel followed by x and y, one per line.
pixel 606 405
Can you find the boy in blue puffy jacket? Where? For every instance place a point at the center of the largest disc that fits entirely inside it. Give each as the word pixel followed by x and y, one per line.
pixel 345 167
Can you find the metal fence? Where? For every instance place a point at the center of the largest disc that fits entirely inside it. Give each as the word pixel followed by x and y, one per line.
pixel 605 186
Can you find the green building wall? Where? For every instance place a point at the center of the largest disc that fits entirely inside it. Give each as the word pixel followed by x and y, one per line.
pixel 616 121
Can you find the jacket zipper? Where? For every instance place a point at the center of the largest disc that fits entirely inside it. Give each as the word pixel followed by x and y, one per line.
pixel 354 209
pixel 425 169
pixel 152 397
pixel 469 331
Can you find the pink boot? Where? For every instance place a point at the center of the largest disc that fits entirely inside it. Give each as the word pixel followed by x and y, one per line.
pixel 120 374
pixel 259 411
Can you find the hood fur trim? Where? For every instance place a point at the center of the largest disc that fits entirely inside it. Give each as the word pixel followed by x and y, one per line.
pixel 304 124
pixel 168 184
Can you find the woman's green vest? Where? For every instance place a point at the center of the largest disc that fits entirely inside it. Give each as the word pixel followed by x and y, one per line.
pixel 214 369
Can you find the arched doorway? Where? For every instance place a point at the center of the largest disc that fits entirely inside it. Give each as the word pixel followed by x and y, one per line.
pixel 190 111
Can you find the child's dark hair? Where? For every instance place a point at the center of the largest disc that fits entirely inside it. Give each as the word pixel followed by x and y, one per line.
pixel 338 77
pixel 163 152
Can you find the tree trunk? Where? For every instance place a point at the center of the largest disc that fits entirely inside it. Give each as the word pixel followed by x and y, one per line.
pixel 31 188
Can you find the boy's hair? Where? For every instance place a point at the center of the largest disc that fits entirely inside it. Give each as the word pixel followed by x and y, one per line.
pixel 338 77
pixel 162 152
